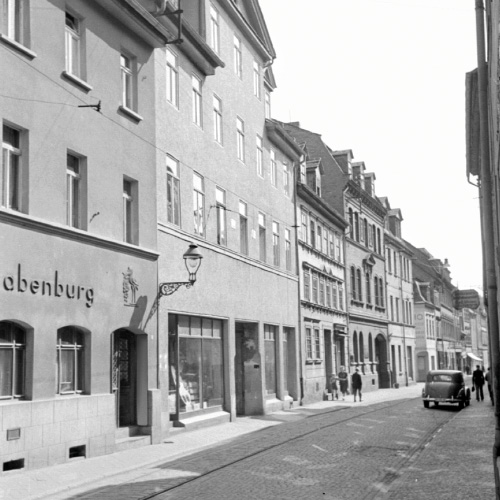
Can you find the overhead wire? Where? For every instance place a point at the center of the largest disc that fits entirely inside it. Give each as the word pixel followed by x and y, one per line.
pixel 143 139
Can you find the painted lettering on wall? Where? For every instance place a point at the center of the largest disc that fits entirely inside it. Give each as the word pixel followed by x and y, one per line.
pixel 50 288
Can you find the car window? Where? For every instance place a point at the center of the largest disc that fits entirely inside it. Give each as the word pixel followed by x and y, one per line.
pixel 441 377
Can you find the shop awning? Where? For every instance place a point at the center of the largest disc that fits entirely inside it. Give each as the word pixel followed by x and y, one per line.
pixel 473 356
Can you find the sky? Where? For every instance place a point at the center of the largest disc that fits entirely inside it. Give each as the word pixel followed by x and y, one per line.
pixel 386 79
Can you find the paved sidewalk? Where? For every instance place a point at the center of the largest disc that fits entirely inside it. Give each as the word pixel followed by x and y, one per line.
pixel 52 482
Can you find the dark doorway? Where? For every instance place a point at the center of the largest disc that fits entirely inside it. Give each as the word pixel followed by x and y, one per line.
pixel 384 378
pixel 125 377
pixel 246 365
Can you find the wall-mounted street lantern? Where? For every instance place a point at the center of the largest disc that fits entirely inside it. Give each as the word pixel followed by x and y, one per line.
pixel 192 259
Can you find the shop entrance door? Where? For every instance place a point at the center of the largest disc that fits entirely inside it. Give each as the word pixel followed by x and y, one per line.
pixel 125 377
pixel 328 357
pixel 247 366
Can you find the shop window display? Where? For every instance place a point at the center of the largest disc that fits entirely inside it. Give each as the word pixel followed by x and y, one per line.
pixel 198 361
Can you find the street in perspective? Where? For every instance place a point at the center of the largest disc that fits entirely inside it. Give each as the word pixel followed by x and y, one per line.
pixel 389 446
pixel 247 250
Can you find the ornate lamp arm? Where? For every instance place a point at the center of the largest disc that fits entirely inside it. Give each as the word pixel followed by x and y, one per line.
pixel 172 287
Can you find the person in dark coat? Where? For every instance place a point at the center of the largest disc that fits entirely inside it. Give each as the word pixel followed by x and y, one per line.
pixel 343 381
pixel 478 382
pixel 357 383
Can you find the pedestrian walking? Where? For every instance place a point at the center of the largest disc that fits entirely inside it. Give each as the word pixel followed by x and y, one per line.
pixel 343 381
pixel 487 377
pixel 334 387
pixel 356 384
pixel 478 382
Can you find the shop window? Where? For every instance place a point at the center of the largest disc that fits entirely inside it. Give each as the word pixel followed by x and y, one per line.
pixel 200 363
pixel 12 360
pixel 270 336
pixel 70 362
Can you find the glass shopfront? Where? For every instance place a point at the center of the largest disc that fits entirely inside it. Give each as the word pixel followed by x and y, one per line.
pixel 196 363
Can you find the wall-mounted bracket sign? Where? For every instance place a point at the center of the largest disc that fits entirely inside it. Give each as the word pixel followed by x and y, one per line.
pixel 466 299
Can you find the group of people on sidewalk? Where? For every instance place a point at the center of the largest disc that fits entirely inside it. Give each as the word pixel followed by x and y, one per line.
pixel 343 384
pixel 478 380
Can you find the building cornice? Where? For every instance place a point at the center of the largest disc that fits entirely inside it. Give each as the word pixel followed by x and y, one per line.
pixel 23 221
pixel 283 140
pixel 354 190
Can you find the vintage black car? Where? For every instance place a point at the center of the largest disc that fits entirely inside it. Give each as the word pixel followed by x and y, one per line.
pixel 446 386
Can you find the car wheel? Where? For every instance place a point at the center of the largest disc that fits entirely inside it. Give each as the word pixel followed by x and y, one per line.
pixel 426 404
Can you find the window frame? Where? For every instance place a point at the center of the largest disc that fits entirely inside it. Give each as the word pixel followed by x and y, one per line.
pixel 257 83
pixel 217 115
pixel 237 57
pixel 262 237
pixel 197 100
pixel 220 206
pixel 172 78
pixel 243 211
pixel 18 374
pixel 214 29
pixel 288 250
pixel 15 21
pixel 199 204
pixel 74 191
pixel 273 167
pixel 259 155
pixel 172 166
pixel 276 244
pixel 78 350
pixel 73 45
pixel 12 166
pixel 240 139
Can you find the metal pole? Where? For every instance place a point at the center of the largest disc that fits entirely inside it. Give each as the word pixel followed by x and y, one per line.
pixel 488 230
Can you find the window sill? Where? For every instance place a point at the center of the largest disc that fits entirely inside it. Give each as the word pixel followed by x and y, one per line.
pixel 18 46
pixel 130 113
pixel 77 81
pixel 314 361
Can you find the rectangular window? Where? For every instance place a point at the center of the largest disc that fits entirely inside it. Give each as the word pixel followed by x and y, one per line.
pixel 288 250
pixel 319 237
pixel 274 169
pixel 303 226
pixel 243 228
pixel 315 288
pixel 172 78
pixel 338 248
pixel 127 72
pixel 307 286
pixel 238 59
pixel 309 343
pixel 11 168
pixel 199 204
pixel 173 192
pixel 331 244
pixel 322 292
pixel 240 139
pixel 267 104
pixel 312 237
pixel 196 98
pixel 130 229
pixel 73 191
pixel 391 301
pixel 12 360
pixel 317 344
pixel 14 20
pixel 262 237
pixel 200 368
pixel 276 244
pixel 286 179
pixel 325 241
pixel 220 200
pixel 270 336
pixel 334 296
pixel 397 310
pixel 217 119
pixel 256 79
pixel 214 29
pixel 259 156
pixel 328 294
pixel 70 361
pixel 341 297
pixel 73 42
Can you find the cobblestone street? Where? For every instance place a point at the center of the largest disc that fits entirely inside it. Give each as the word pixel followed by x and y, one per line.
pixel 358 452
